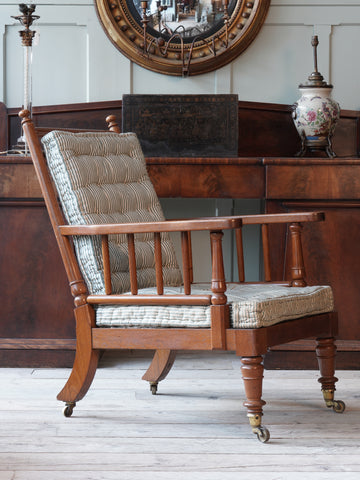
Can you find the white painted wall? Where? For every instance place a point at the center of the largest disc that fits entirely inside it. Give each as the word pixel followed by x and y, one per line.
pixel 75 62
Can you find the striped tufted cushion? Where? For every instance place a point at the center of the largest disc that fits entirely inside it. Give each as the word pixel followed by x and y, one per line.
pixel 251 306
pixel 102 178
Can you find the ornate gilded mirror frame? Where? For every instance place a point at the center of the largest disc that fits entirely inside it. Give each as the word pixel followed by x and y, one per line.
pixel 152 33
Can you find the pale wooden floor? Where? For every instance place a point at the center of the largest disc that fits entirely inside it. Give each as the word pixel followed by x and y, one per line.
pixel 194 429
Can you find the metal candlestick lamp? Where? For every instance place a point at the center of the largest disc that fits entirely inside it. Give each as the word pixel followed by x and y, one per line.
pixel 315 114
pixel 26 19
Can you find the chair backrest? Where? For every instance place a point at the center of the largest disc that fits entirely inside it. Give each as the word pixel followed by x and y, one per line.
pixel 101 178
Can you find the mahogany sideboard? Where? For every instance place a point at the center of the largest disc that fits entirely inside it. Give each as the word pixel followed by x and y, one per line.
pixel 36 319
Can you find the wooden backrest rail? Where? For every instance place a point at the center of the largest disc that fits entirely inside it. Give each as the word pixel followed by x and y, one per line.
pixel 76 281
pixel 77 285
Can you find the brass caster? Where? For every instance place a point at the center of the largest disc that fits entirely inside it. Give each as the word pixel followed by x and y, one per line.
pixel 262 433
pixel 153 387
pixel 68 409
pixel 338 406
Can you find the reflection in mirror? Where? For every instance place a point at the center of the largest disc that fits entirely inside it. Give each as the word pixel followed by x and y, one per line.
pixel 189 18
pixel 163 44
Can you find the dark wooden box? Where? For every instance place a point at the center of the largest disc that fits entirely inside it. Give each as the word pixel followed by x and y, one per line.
pixel 183 125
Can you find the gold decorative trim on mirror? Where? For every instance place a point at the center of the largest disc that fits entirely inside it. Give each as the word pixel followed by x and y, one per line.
pixel 182 37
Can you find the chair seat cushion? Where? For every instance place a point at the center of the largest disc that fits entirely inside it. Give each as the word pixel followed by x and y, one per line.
pixel 251 306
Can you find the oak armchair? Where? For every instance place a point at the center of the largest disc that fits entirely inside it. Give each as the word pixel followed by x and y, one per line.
pixel 129 291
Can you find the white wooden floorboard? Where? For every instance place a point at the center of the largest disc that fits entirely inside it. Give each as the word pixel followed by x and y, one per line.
pixel 114 475
pixel 196 428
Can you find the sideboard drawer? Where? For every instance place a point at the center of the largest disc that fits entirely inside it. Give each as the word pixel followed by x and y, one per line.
pixel 329 182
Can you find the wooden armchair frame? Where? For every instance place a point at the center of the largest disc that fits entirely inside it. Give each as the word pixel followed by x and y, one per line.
pixel 250 344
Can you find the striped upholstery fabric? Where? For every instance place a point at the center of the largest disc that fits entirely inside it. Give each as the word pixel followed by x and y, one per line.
pixel 251 306
pixel 102 178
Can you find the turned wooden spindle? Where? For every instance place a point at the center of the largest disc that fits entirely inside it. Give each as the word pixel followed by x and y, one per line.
pixel 132 264
pixel 191 270
pixel 185 250
pixel 218 285
pixel 240 254
pixel 266 251
pixel 297 258
pixel 158 264
pixel 106 264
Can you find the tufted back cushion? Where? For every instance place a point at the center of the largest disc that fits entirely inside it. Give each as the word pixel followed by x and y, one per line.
pixel 102 178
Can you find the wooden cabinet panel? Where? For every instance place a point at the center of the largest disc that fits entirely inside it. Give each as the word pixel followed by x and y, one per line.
pixel 204 179
pixel 36 306
pixel 18 180
pixel 315 181
pixel 331 258
pixel 330 250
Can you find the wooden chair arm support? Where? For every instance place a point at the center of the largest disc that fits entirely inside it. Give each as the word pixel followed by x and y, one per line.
pixel 294 222
pixel 210 224
pixel 214 226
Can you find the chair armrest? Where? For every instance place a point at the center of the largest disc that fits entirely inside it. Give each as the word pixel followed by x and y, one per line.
pixel 282 218
pixel 194 224
pixel 211 224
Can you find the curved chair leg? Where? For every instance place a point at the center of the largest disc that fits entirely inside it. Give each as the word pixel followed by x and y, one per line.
pixel 86 361
pixel 326 353
pixel 252 373
pixel 160 366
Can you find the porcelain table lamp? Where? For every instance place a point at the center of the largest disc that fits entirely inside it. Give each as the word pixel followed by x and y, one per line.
pixel 315 113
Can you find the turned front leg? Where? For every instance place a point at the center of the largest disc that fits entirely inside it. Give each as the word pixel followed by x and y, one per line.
pixel 252 370
pixel 326 353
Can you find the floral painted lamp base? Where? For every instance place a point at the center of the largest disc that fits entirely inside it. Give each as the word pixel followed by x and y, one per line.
pixel 315 114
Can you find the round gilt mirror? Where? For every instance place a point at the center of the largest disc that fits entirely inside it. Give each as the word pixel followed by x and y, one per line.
pixel 182 37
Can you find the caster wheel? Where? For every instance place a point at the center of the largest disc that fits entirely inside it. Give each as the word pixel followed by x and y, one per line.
pixel 262 433
pixel 68 409
pixel 339 406
pixel 153 388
